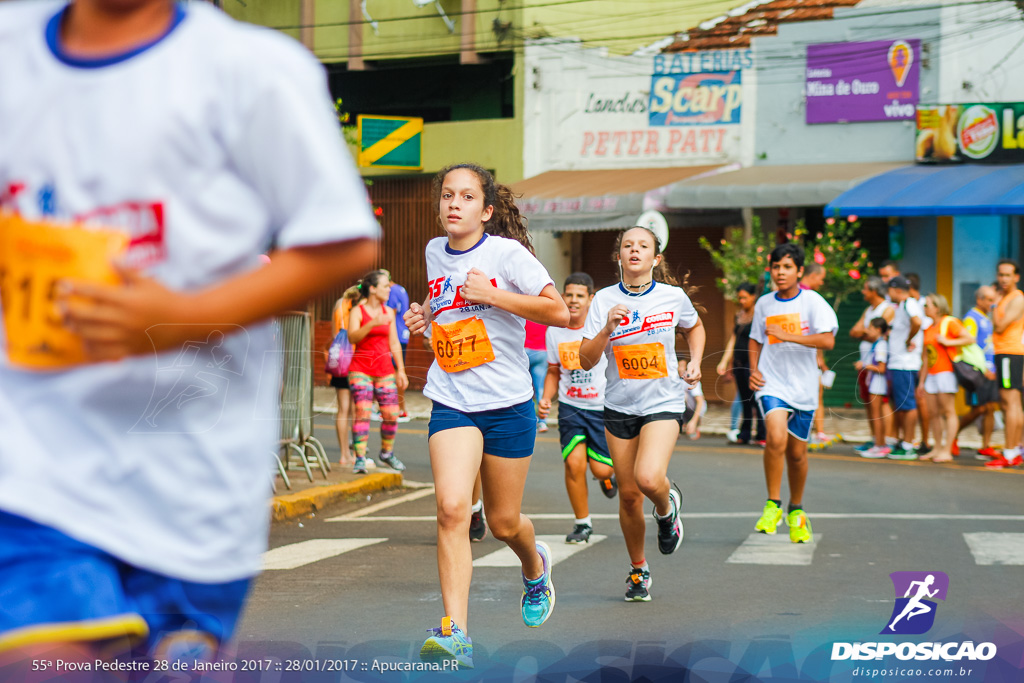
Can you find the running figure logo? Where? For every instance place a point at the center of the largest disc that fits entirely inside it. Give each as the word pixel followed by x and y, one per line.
pixel 914 612
pixel 195 381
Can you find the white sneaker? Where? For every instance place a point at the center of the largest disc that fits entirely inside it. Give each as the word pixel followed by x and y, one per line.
pixel 875 452
pixel 732 436
pixel 370 464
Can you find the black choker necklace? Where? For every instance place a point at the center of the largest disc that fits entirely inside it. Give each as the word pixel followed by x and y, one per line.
pixel 640 288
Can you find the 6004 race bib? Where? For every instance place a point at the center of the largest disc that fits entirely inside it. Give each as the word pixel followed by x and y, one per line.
pixel 640 361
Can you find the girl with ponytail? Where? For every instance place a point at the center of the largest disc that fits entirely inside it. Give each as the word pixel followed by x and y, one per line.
pixel 483 280
pixel 373 375
pixel 633 324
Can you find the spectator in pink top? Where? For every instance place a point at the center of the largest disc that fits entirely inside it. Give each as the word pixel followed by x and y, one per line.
pixel 537 352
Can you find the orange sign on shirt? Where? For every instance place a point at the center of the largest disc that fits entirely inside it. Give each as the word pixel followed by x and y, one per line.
pixel 34 258
pixel 461 345
pixel 641 361
pixel 789 322
pixel 569 355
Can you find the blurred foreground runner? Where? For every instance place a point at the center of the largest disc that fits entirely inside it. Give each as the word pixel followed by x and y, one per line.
pixel 139 416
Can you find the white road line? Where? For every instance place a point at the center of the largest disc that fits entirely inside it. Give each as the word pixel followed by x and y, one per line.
pixel 992 548
pixel 752 516
pixel 306 552
pixel 384 505
pixel 778 549
pixel 560 550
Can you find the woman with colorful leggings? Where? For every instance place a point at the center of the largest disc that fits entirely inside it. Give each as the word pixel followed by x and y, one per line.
pixel 372 331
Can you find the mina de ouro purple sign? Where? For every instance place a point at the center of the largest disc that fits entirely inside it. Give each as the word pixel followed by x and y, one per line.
pixel 871 81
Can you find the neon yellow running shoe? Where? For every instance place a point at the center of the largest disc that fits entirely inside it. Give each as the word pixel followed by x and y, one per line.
pixel 770 518
pixel 799 527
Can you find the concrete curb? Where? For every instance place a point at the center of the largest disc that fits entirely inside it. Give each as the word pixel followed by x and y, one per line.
pixel 310 500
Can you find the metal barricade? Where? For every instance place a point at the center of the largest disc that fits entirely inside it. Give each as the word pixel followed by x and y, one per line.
pixel 297 447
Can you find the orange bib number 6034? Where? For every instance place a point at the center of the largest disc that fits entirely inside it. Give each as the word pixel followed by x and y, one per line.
pixel 641 361
pixel 34 258
pixel 569 355
pixel 461 345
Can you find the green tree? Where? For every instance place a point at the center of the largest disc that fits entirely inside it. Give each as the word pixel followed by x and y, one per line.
pixel 740 259
pixel 838 249
pixel 348 129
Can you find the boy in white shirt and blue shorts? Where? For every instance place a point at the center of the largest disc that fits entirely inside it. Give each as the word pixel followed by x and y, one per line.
pixel 789 327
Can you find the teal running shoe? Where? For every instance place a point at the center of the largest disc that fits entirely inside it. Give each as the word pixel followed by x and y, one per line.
pixel 539 595
pixel 448 642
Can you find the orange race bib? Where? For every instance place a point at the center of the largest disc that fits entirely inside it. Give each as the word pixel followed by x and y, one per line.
pixel 569 355
pixel 34 258
pixel 790 323
pixel 461 345
pixel 641 361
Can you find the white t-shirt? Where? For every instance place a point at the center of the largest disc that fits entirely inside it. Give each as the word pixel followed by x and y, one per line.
pixel 878 353
pixel 870 314
pixel 790 370
pixel 899 357
pixel 652 320
pixel 691 394
pixel 504 381
pixel 926 322
pixel 212 144
pixel 576 387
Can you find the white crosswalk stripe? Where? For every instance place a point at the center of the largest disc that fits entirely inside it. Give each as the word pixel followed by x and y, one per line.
pixel 778 549
pixel 996 548
pixel 300 554
pixel 560 550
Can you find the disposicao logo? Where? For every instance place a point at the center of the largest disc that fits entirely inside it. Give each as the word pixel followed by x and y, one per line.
pixel 914 614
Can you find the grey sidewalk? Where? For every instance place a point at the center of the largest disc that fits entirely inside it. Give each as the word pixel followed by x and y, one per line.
pixel 851 423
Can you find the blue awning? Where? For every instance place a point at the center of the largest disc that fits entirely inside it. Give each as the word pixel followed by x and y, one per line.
pixel 965 189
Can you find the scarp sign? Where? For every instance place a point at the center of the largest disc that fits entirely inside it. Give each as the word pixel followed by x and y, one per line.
pixel 696 99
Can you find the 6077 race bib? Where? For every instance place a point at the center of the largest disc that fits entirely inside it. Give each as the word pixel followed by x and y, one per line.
pixel 641 361
pixel 34 258
pixel 789 322
pixel 461 345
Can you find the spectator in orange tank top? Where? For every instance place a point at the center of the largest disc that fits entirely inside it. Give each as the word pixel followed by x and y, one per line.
pixel 938 381
pixel 1007 329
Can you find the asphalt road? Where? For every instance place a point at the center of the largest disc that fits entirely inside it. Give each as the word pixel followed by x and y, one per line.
pixel 360 586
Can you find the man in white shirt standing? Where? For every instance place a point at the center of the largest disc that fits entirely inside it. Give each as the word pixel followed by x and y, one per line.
pixel 790 326
pixel 905 340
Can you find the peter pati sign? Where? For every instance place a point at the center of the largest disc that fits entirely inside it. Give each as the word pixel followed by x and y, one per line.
pixel 870 81
pixel 687 109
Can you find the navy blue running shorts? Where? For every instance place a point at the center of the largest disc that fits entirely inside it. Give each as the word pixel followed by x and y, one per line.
pixel 508 432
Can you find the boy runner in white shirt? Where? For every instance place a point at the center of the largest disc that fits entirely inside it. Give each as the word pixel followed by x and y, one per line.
pixel 789 327
pixel 156 498
pixel 633 325
pixel 581 406
pixel 483 281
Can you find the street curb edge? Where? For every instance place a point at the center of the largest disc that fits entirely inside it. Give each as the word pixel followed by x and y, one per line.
pixel 292 505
